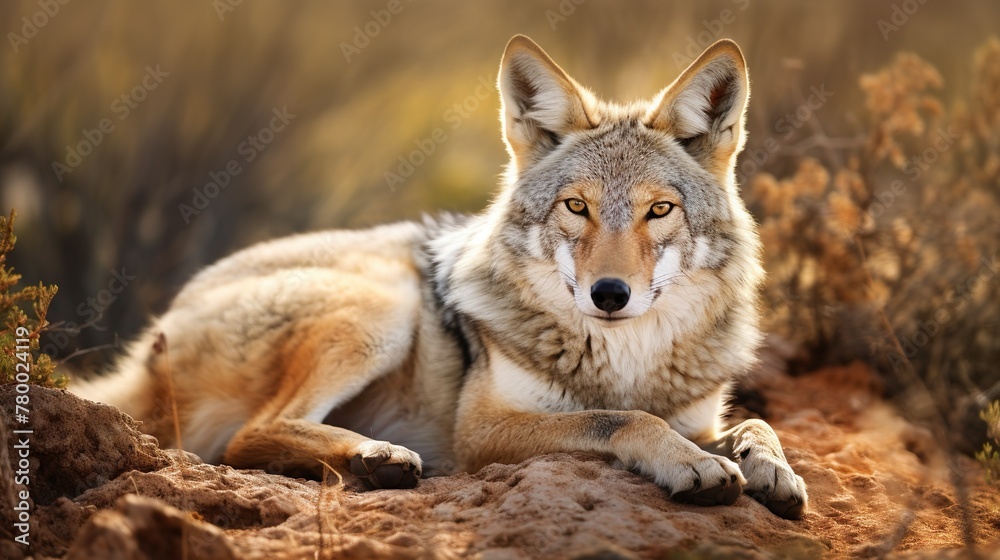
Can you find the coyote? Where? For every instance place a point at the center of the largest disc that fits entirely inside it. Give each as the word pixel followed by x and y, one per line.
pixel 605 302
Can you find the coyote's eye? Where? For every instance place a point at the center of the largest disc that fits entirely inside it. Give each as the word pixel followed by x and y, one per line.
pixel 659 210
pixel 577 206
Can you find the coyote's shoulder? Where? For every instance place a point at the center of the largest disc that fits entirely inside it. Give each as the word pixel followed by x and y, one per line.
pixel 605 302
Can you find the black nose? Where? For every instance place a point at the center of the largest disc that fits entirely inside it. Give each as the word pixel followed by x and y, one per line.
pixel 610 294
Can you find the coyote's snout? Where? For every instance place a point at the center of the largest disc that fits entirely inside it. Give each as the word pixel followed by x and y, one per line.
pixel 610 294
pixel 416 349
pixel 617 270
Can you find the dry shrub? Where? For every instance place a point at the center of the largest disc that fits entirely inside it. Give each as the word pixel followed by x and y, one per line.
pixel 990 455
pixel 19 332
pixel 908 228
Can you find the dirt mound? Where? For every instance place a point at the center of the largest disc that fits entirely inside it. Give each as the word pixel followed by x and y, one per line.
pixel 876 484
pixel 76 445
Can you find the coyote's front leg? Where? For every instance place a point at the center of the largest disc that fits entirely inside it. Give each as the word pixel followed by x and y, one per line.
pixel 491 428
pixel 754 445
pixel 638 439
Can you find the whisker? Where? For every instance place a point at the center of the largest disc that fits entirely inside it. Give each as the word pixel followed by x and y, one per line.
pixel 662 281
pixel 557 279
pixel 568 275
pixel 669 276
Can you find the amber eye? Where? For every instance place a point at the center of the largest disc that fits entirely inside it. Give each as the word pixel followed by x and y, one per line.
pixel 577 206
pixel 659 210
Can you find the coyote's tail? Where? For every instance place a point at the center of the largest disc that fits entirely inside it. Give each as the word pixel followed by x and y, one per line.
pixel 128 385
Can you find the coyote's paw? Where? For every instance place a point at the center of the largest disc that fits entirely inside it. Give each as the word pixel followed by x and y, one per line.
pixel 771 482
pixel 702 479
pixel 381 464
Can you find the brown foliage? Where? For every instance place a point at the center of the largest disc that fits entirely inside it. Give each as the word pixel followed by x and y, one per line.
pixel 907 228
pixel 19 326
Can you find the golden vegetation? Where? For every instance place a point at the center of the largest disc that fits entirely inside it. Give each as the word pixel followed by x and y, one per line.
pixel 907 228
pixel 990 455
pixel 20 333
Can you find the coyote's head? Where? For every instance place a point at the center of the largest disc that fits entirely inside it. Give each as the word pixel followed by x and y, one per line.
pixel 629 201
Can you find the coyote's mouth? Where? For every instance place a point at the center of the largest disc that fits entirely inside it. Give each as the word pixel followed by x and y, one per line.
pixel 607 320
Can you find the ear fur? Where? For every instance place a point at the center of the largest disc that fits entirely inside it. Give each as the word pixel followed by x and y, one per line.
pixel 704 108
pixel 541 103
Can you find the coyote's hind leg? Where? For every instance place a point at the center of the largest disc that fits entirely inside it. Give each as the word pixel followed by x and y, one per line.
pixel 329 359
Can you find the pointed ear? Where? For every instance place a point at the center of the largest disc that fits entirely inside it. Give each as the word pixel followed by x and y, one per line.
pixel 540 102
pixel 704 108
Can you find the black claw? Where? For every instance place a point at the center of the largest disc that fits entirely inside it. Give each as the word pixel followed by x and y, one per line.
pixel 724 494
pixel 358 466
pixel 372 462
pixel 388 476
pixel 791 508
pixel 788 509
pixel 376 475
pixel 730 494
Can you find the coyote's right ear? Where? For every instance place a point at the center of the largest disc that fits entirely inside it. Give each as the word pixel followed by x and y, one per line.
pixel 541 103
pixel 704 108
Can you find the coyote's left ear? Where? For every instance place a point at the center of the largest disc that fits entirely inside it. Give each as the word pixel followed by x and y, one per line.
pixel 704 108
pixel 541 103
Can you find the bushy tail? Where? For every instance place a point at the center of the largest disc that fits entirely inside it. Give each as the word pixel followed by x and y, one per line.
pixel 128 386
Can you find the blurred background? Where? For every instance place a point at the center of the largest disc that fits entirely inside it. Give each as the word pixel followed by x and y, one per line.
pixel 142 141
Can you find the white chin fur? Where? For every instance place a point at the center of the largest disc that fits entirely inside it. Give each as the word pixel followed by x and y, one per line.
pixel 637 305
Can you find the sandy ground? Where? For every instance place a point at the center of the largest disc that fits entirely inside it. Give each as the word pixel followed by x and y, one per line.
pixel 877 486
